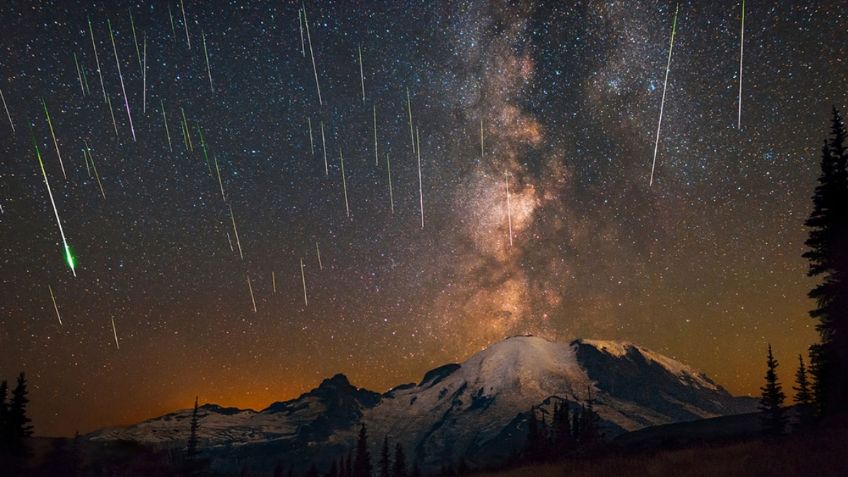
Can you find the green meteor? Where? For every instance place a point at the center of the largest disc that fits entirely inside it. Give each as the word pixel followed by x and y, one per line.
pixel 69 256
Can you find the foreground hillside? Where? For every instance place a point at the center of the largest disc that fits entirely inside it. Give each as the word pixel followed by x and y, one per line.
pixel 815 452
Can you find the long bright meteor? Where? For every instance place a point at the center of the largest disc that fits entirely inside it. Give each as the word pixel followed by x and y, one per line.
pixel 97 60
pixel 9 116
pixel 121 77
pixel 741 51
pixel 69 257
pixel 662 101
pixel 55 307
pixel 312 55
pixel 53 134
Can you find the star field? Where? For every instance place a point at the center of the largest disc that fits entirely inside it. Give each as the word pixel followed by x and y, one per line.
pixel 705 265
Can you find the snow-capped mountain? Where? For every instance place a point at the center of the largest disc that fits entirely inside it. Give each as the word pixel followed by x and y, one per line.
pixel 475 411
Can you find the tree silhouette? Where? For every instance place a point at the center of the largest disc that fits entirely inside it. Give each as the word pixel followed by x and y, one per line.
pixel 771 402
pixel 17 421
pixel 191 446
pixel 362 461
pixel 4 416
pixel 803 394
pixel 828 256
pixel 384 458
pixel 399 467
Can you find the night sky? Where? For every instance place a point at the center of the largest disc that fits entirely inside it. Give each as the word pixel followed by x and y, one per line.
pixel 705 265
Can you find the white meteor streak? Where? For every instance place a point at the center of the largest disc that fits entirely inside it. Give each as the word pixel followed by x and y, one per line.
pixel 303 279
pixel 344 184
pixel 662 101
pixel 115 333
pixel 311 142
pixel 97 60
pixel 79 74
pixel 250 288
pixel 206 54
pixel 508 208
pixel 420 187
pixel 409 108
pixel 361 73
pixel 376 158
pixel 144 77
pixel 55 142
pixel 165 120
pixel 318 251
pixel 121 76
pixel 481 138
pixel 391 194
pixel 55 307
pixel 235 231
pixel 185 24
pixel 274 282
pixel 312 55
pixel 324 147
pixel 741 51
pixel 9 116
pixel 300 24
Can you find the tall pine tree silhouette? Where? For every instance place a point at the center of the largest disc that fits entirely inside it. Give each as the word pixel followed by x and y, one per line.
pixel 771 401
pixel 362 461
pixel 384 458
pixel 803 395
pixel 4 413
pixel 191 445
pixel 17 421
pixel 399 467
pixel 828 256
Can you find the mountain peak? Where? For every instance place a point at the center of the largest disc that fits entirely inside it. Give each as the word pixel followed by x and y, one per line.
pixel 338 380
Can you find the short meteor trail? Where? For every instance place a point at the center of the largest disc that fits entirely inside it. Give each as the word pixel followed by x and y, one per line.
pixel 312 55
pixel 250 288
pixel 409 108
pixel 173 29
pixel 55 142
pixel 144 77
pixel 344 184
pixel 69 257
pixel 87 167
pixel 115 332
pixel 311 141
pixel 186 131
pixel 97 60
pixel 9 116
pixel 79 74
pixel 391 194
pixel 420 186
pixel 85 80
pixel 361 72
pixel 324 147
pixel 185 24
pixel 300 24
pixel 318 252
pixel 235 232
pixel 508 208
pixel 220 183
pixel 94 167
pixel 741 51
pixel 481 139
pixel 135 39
pixel 274 282
pixel 112 113
pixel 662 101
pixel 206 54
pixel 376 158
pixel 121 77
pixel 303 279
pixel 165 120
pixel 55 307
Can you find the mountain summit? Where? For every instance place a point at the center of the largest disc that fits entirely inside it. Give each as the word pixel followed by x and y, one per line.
pixel 473 411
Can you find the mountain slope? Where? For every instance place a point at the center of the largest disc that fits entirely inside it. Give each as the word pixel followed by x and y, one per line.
pixel 472 411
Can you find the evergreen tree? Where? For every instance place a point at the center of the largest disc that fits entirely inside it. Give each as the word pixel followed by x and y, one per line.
pixel 803 394
pixel 399 467
pixel 534 437
pixel 362 462
pixel 561 428
pixel 17 421
pixel 771 402
pixel 4 413
pixel 575 423
pixel 828 256
pixel 384 458
pixel 191 447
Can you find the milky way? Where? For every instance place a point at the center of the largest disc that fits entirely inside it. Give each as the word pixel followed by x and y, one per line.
pixel 561 99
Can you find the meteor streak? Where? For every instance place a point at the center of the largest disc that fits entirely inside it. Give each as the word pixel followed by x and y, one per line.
pixel 409 108
pixel 115 332
pixel 741 50
pixel 481 138
pixel 135 39
pixel 300 24
pixel 55 307
pixel 165 120
pixel 55 142
pixel 312 55
pixel 220 183
pixel 97 60
pixel 235 232
pixel 376 158
pixel 79 74
pixel 303 279
pixel 250 288
pixel 344 184
pixel 274 282
pixel 171 16
pixel 391 194
pixel 420 187
pixel 9 116
pixel 318 251
pixel 112 113
pixel 69 257
pixel 185 24
pixel 121 76
pixel 662 101
pixel 311 142
pixel 361 73
pixel 206 54
pixel 324 147
pixel 94 167
pixel 144 77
